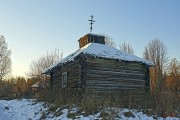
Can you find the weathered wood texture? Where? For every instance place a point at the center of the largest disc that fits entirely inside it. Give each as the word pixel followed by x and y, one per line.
pixel 83 41
pixel 109 76
pixel 72 70
pixel 88 75
pixel 75 74
pixel 91 39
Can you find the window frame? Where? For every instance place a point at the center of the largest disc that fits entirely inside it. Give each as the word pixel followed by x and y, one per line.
pixel 64 79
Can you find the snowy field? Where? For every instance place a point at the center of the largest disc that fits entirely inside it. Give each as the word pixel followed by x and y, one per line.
pixel 31 110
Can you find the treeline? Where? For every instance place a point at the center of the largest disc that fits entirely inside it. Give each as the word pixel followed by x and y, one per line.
pixel 17 88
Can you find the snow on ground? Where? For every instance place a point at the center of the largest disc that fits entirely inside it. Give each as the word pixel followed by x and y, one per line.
pixel 27 109
pixel 20 109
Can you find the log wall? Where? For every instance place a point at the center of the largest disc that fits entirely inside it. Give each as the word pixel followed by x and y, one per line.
pixel 72 70
pixel 105 76
pixel 102 76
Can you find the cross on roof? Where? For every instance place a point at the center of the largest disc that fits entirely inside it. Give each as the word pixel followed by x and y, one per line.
pixel 91 22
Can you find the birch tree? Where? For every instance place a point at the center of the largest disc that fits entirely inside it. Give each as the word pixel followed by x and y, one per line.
pixel 5 59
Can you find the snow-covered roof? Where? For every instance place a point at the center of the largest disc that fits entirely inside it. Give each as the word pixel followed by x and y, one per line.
pixel 101 51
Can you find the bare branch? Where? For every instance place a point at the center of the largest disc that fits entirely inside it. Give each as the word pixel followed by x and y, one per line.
pixel 37 66
pixel 109 40
pixel 126 47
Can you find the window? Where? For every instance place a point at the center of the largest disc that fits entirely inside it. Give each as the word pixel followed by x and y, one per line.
pixel 64 79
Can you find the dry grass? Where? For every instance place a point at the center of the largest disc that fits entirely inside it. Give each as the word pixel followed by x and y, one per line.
pixel 109 114
pixel 90 105
pixel 156 104
pixel 161 102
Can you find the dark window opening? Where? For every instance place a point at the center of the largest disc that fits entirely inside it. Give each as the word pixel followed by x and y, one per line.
pixel 64 79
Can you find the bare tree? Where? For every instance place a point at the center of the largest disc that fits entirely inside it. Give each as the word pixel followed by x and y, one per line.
pixel 126 47
pixel 5 59
pixel 109 40
pixel 37 66
pixel 156 52
pixel 173 81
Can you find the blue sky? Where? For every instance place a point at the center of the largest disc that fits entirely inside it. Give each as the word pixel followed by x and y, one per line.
pixel 32 27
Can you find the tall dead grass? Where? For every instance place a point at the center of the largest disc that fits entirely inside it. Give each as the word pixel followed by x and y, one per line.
pixel 156 103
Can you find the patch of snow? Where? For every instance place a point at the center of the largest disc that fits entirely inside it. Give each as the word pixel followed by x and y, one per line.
pixel 26 109
pixel 3 115
pixel 20 109
pixel 101 51
pixel 40 84
pixel 36 84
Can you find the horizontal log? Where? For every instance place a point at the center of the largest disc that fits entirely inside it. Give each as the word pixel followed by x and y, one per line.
pixel 127 70
pixel 114 82
pixel 114 86
pixel 116 79
pixel 115 92
pixel 114 72
pixel 91 92
pixel 111 60
pixel 114 63
pixel 90 75
pixel 106 67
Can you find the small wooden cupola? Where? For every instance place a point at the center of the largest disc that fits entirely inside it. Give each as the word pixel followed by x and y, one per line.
pixel 91 38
